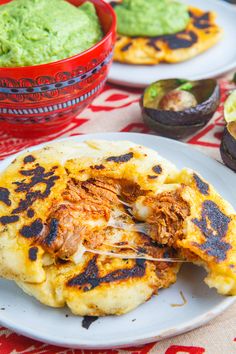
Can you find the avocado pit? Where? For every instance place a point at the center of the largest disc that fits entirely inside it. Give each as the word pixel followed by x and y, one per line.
pixel 177 100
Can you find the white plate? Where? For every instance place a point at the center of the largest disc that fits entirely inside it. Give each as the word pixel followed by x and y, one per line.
pixel 214 62
pixel 154 320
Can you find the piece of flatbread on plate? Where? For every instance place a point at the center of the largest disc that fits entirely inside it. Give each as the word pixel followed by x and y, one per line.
pixel 201 33
pixel 64 217
pixel 204 235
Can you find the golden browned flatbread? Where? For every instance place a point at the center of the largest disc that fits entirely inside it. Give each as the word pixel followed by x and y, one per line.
pixel 188 214
pixel 66 232
pixel 101 226
pixel 201 33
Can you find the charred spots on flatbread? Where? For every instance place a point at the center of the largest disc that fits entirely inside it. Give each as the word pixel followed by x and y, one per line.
pixel 4 196
pixel 90 279
pixel 32 230
pixel 30 213
pixel 38 176
pixel 5 220
pixel 152 42
pixel 202 186
pixel 152 176
pixel 29 159
pixel 157 169
pixel 180 40
pixel 33 252
pixel 98 167
pixel 213 225
pixel 53 231
pixel 202 21
pixel 121 158
pixel 126 47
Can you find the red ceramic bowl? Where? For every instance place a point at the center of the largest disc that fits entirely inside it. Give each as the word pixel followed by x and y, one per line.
pixel 42 99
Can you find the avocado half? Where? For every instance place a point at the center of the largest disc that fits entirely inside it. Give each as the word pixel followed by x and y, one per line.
pixel 228 146
pixel 187 113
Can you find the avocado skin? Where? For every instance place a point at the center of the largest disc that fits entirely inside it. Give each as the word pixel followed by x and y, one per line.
pixel 180 124
pixel 172 131
pixel 229 142
pixel 226 157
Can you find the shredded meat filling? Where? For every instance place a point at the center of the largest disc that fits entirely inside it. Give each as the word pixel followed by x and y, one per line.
pixel 130 191
pixel 69 222
pixel 169 211
pixel 63 232
pixel 94 196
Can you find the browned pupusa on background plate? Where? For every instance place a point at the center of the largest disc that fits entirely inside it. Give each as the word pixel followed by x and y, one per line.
pixel 201 33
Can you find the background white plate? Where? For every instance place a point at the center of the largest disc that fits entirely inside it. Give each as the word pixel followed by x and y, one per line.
pixel 155 319
pixel 214 62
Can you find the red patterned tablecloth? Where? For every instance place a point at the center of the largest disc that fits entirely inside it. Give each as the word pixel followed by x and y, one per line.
pixel 117 109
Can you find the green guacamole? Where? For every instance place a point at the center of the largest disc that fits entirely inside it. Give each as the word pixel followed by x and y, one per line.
pixel 41 31
pixel 151 17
